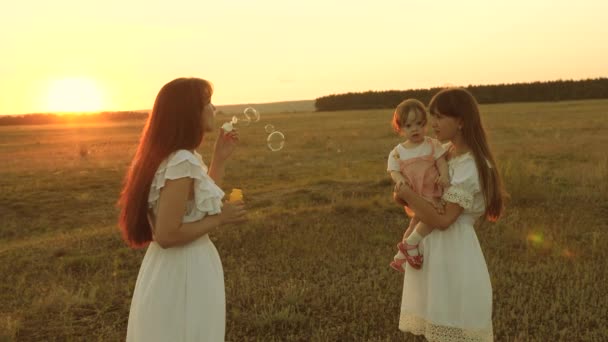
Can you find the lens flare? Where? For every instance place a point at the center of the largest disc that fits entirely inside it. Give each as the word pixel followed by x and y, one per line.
pixel 536 238
pixel 568 253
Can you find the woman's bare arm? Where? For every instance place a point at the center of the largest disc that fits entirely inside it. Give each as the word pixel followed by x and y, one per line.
pixel 442 167
pixel 169 231
pixel 425 210
pixel 225 144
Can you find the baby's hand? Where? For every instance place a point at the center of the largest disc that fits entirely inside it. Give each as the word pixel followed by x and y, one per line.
pixel 400 183
pixel 401 187
pixel 439 205
pixel 443 181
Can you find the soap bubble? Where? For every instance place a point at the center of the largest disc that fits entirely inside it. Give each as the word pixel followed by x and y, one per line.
pixel 269 128
pixel 252 114
pixel 241 120
pixel 275 141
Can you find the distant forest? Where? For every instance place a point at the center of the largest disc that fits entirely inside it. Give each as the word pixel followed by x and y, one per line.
pixel 518 92
pixel 562 90
pixel 45 119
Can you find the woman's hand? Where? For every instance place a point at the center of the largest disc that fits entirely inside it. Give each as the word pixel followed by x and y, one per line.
pixel 233 212
pixel 225 144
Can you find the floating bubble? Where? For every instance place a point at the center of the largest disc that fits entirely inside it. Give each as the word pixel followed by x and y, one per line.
pixel 269 128
pixel 275 141
pixel 252 114
pixel 241 120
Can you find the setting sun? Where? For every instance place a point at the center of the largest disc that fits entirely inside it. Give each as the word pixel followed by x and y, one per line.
pixel 74 95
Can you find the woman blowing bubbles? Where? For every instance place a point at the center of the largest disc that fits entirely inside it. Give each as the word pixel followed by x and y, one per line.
pixel 171 202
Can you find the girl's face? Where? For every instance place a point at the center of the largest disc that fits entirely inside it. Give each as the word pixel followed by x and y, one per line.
pixel 445 127
pixel 208 117
pixel 414 128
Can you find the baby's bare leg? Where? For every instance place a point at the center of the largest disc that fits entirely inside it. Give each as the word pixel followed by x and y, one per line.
pixel 408 232
pixel 423 229
pixel 420 231
pixel 413 222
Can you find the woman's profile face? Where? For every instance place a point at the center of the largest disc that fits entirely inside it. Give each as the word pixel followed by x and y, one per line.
pixel 445 127
pixel 208 117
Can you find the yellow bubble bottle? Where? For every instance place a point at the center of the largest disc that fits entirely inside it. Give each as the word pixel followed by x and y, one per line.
pixel 235 195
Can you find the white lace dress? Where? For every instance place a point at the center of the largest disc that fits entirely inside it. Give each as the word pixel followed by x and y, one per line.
pixel 450 298
pixel 179 294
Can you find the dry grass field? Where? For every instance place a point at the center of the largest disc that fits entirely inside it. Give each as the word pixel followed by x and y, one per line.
pixel 312 262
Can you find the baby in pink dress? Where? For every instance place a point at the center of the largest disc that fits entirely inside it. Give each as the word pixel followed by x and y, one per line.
pixel 419 161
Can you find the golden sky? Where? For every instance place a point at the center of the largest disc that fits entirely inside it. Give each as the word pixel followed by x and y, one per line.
pixel 116 54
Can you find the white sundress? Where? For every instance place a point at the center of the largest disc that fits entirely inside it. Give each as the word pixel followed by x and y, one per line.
pixel 179 294
pixel 450 298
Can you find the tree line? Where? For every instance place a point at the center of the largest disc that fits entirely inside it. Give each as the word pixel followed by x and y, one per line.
pixel 47 118
pixel 561 90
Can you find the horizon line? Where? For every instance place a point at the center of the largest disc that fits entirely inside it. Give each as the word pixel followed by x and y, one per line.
pixel 302 100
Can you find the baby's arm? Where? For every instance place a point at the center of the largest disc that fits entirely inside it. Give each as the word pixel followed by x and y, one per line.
pixel 399 181
pixel 397 177
pixel 442 167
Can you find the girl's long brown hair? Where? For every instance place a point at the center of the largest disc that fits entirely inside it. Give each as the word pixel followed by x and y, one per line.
pixel 459 103
pixel 175 123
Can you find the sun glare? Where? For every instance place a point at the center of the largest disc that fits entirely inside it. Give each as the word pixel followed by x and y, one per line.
pixel 73 95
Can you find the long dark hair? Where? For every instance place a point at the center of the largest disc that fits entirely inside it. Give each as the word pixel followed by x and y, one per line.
pixel 459 103
pixel 176 122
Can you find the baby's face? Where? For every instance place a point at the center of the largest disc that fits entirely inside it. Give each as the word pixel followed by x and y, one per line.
pixel 414 128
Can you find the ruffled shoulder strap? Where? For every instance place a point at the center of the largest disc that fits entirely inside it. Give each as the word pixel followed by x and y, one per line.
pixel 179 164
pixel 447 146
pixel 464 180
pixel 438 148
